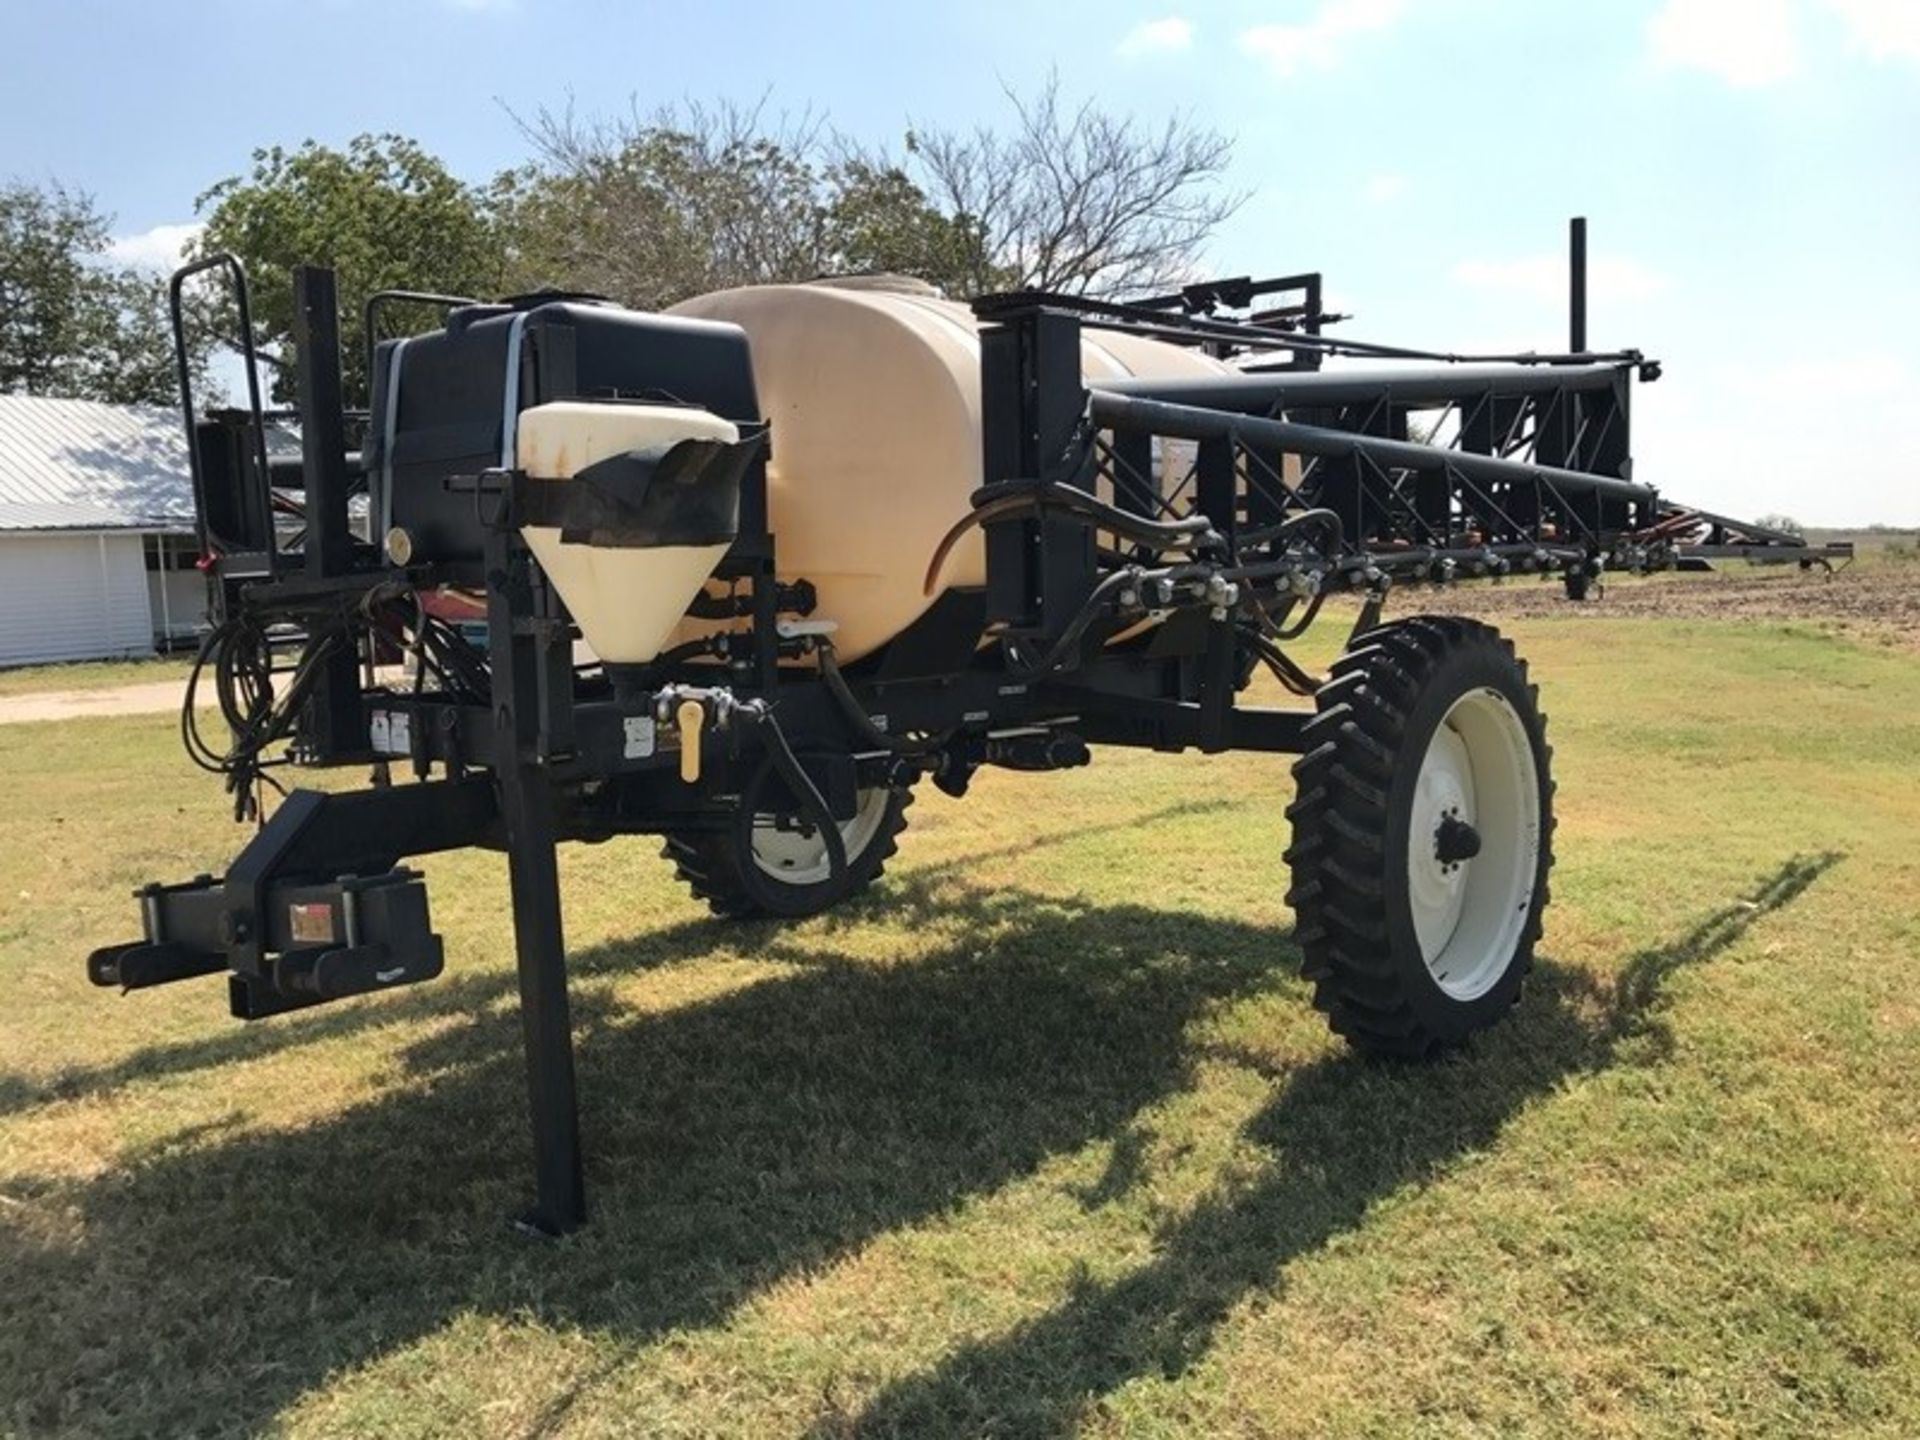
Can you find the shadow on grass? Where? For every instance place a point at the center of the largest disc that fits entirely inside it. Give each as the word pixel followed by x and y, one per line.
pixel 1343 1134
pixel 746 1139
pixel 470 992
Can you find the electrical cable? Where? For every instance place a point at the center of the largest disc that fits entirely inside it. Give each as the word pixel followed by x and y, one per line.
pixel 240 652
pixel 238 656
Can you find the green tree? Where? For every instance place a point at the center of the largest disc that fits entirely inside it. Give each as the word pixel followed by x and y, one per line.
pixel 383 214
pixel 879 219
pixel 650 210
pixel 72 324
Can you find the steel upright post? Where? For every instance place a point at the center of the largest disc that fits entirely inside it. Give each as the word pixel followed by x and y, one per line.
pixel 1577 285
pixel 526 804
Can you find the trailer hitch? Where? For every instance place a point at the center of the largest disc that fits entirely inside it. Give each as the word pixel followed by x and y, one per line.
pixel 321 941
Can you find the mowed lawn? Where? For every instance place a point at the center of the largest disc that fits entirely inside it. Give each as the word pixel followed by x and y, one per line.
pixel 1042 1137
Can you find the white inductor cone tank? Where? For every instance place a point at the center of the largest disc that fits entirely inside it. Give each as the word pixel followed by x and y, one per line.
pixel 626 600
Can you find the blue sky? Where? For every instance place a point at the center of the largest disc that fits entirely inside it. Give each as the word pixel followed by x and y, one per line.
pixel 1751 167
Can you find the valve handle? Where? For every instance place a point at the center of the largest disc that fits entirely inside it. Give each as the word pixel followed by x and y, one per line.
pixel 690 716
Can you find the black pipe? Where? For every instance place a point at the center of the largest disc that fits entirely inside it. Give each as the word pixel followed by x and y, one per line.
pixel 323 441
pixel 1440 385
pixel 1577 284
pixel 336 724
pixel 1154 325
pixel 176 306
pixel 1110 410
pixel 370 318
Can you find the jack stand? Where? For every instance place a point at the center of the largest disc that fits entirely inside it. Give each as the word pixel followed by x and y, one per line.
pixel 545 1017
pixel 520 686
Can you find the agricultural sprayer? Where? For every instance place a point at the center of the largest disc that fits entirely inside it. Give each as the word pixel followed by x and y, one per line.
pixel 741 575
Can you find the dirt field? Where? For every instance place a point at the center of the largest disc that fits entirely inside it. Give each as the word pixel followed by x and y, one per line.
pixel 150 697
pixel 1874 602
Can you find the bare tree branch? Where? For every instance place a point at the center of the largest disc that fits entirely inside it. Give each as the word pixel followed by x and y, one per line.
pixel 652 206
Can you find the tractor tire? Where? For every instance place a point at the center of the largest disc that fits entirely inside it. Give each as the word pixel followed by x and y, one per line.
pixel 1422 835
pixel 784 874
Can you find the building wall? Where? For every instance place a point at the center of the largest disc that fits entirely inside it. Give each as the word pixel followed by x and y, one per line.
pixel 176 590
pixel 67 596
pixel 181 612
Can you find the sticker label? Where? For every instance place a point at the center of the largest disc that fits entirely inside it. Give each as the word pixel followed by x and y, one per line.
pixel 639 737
pixel 310 923
pixel 390 732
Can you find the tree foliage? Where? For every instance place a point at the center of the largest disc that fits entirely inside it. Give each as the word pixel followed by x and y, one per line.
pixel 650 208
pixel 649 211
pixel 1077 198
pixel 647 208
pixel 71 323
pixel 383 214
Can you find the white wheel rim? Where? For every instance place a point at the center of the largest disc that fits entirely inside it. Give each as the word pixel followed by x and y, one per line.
pixel 797 857
pixel 1469 914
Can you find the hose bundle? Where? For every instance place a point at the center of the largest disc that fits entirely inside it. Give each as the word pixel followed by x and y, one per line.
pixel 239 652
pixel 238 655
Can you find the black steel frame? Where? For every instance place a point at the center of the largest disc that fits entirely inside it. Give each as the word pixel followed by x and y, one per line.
pixel 1301 483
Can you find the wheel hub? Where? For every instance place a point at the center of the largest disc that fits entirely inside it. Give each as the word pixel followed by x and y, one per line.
pixel 1443 798
pixel 1472 843
pixel 1455 841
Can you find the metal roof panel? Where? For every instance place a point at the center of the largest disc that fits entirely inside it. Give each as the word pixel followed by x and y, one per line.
pixel 80 464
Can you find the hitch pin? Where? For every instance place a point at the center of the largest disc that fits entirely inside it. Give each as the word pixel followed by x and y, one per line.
pixel 690 716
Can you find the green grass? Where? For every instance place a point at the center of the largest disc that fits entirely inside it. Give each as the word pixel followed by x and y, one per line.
pixel 92 674
pixel 1043 1136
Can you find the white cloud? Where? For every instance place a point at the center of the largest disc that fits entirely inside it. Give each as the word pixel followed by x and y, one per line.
pixel 1886 29
pixel 1287 49
pixel 1712 435
pixel 1154 37
pixel 1384 188
pixel 1747 43
pixel 156 249
pixel 1613 278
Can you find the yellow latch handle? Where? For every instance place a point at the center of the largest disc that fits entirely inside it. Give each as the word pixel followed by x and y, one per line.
pixel 690 717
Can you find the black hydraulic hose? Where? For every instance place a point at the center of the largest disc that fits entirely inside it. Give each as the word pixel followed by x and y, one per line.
pixel 240 653
pixel 858 718
pixel 1069 639
pixel 1281 529
pixel 1305 623
pixel 1184 530
pixel 1287 670
pixel 781 760
pixel 687 650
pixel 1062 649
pixel 1013 497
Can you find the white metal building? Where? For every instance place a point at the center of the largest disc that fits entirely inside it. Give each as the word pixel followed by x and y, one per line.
pixel 96 531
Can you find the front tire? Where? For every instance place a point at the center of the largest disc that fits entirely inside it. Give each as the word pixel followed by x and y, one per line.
pixel 1422 835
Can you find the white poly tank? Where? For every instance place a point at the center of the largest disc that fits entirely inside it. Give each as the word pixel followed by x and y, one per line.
pixel 872 388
